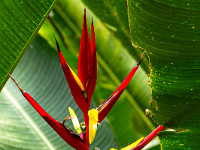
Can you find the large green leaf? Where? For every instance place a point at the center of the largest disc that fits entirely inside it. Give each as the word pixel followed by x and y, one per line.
pixel 67 19
pixel 19 22
pixel 40 73
pixel 170 32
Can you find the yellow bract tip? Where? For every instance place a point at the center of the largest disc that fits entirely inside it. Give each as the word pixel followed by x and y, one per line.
pixel 77 79
pixel 93 120
pixel 75 121
pixel 133 144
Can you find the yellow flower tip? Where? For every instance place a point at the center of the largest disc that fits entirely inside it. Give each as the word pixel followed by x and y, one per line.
pixel 133 144
pixel 93 121
pixel 113 149
pixel 75 121
pixel 77 79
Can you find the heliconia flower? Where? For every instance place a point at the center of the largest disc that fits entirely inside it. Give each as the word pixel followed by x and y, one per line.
pixel 93 121
pixel 67 134
pixel 82 87
pixel 107 105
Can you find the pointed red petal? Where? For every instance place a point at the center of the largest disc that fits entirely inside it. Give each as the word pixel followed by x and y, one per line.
pixel 126 81
pixel 107 105
pixel 105 108
pixel 84 54
pixel 75 88
pixel 62 130
pixel 70 138
pixel 92 66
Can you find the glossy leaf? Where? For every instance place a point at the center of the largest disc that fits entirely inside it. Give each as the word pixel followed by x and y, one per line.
pixel 169 32
pixel 40 73
pixel 19 22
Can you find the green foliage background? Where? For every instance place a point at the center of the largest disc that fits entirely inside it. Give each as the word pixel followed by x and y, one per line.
pixel 170 38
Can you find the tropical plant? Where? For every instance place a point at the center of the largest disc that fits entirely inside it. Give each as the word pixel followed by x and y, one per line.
pixel 169 33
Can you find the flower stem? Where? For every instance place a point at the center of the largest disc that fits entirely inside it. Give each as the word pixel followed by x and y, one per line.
pixel 150 137
pixel 86 137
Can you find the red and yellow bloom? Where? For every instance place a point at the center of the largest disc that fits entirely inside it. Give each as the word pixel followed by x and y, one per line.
pixel 82 88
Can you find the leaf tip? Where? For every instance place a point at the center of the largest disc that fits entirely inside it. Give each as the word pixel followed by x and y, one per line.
pixel 84 17
pixel 84 10
pixel 16 83
pixel 92 22
pixel 58 47
pixel 140 59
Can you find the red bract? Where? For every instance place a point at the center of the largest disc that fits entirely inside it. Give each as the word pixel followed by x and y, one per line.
pixel 87 69
pixel 68 135
pixel 150 137
pixel 107 105
pixel 74 84
pixel 84 54
pixel 82 88
pixel 93 66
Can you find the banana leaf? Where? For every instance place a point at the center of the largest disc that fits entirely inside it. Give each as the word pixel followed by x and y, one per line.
pixel 170 33
pixel 19 22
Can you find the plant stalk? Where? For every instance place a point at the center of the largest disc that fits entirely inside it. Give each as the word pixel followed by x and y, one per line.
pixel 150 137
pixel 86 136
